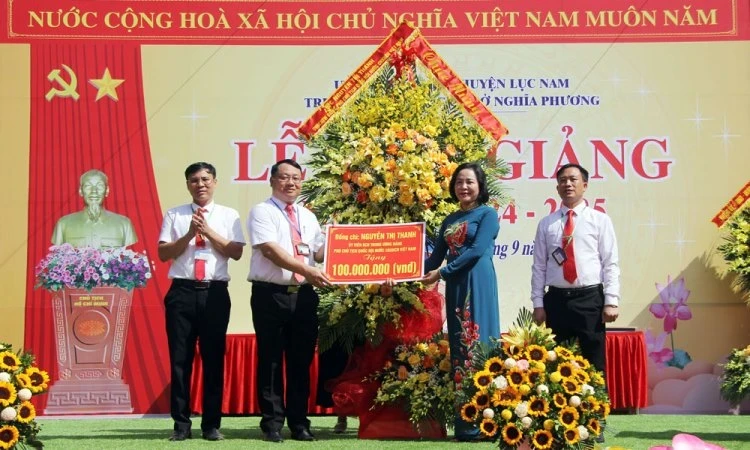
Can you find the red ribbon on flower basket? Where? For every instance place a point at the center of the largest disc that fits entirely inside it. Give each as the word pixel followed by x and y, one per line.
pixel 416 325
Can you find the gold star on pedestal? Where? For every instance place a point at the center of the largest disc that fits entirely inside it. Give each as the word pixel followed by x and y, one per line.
pixel 106 85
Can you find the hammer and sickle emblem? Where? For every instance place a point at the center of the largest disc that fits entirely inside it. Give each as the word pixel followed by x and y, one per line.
pixel 68 89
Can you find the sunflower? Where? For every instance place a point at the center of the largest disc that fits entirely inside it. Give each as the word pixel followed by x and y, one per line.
pixel 583 363
pixel 483 378
pixel 8 436
pixel 469 412
pixel 536 353
pixel 597 378
pixel 542 440
pixel 569 417
pixel 571 386
pixel 571 436
pixel 481 399
pixel 604 409
pixel 588 404
pixel 535 376
pixel 516 377
pixel 39 379
pixel 511 434
pixel 23 380
pixel 560 400
pixel 506 397
pixel 7 393
pixel 9 361
pixel 563 353
pixel 494 365
pixel 488 427
pixel 513 350
pixel 538 406
pixel 567 370
pixel 26 412
pixel 594 426
pixel 582 376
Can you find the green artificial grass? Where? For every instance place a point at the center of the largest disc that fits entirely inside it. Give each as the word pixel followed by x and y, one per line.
pixel 634 432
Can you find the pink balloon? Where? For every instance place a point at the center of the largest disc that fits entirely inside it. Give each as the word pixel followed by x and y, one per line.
pixel 684 441
pixel 660 447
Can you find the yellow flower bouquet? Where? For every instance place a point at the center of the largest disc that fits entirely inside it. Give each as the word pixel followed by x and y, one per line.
pixel 736 249
pixel 388 157
pixel 20 380
pixel 735 380
pixel 527 389
pixel 418 377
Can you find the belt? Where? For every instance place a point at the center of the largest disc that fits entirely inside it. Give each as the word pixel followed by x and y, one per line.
pixel 288 288
pixel 203 284
pixel 573 291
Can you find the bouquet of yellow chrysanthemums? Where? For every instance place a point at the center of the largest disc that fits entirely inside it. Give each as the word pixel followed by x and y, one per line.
pixel 20 380
pixel 736 249
pixel 388 157
pixel 735 381
pixel 418 378
pixel 525 387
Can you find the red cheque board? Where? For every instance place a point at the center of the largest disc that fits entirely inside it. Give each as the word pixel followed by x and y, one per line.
pixel 374 253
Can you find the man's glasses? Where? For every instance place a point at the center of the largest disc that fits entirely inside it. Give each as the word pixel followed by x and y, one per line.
pixel 287 178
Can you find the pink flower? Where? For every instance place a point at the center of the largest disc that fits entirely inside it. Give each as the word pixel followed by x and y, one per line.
pixel 656 349
pixel 673 304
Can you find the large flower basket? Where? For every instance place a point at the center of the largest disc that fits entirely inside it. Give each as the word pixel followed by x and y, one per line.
pixel 91 328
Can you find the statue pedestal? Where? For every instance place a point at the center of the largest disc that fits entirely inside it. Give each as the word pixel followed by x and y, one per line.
pixel 91 329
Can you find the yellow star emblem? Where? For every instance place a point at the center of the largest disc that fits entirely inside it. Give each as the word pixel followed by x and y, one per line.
pixel 106 85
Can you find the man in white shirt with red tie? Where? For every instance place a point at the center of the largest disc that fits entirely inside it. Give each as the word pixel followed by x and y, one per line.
pixel 199 238
pixel 575 258
pixel 287 241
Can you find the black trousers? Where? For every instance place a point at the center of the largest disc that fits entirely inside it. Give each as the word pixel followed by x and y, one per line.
pixel 577 314
pixel 200 315
pixel 286 329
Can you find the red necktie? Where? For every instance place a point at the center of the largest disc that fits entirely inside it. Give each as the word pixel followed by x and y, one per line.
pixel 569 266
pixel 296 239
pixel 200 264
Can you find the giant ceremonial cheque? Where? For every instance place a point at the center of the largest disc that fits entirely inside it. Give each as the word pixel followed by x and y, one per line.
pixel 519 224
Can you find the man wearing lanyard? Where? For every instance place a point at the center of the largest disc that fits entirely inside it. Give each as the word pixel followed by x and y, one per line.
pixel 575 256
pixel 199 238
pixel 287 241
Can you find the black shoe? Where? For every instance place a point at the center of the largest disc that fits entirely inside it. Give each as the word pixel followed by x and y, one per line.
pixel 213 435
pixel 272 436
pixel 180 435
pixel 303 435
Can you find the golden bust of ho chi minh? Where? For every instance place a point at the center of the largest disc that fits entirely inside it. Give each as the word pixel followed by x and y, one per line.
pixel 94 226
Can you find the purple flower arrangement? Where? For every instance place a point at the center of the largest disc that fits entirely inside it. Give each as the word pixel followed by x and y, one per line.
pixel 88 267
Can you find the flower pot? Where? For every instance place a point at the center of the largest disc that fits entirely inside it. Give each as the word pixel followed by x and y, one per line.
pixel 91 329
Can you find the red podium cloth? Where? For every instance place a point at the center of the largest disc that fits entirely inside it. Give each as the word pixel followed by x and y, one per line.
pixel 239 379
pixel 626 374
pixel 627 380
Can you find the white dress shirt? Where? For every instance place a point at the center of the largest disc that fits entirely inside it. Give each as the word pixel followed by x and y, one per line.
pixel 225 221
pixel 268 222
pixel 595 247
